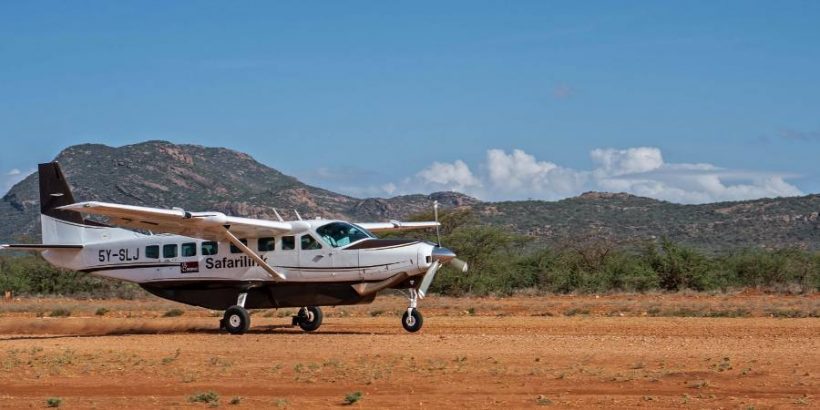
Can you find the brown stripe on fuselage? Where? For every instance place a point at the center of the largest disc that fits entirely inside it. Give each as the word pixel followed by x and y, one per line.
pixel 381 243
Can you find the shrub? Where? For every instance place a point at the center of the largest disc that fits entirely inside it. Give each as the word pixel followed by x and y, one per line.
pixel 173 313
pixel 60 312
pixel 352 398
pixel 101 311
pixel 208 397
pixel 54 402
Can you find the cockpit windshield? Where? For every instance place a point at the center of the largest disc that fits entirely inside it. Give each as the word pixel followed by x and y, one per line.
pixel 338 234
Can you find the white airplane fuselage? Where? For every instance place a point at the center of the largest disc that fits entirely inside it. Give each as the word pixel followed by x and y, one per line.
pixel 158 258
pixel 189 269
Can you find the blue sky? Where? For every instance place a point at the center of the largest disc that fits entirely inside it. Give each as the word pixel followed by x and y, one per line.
pixel 689 102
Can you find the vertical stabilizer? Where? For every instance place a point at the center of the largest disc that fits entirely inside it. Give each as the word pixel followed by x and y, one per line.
pixel 58 226
pixel 61 227
pixel 54 192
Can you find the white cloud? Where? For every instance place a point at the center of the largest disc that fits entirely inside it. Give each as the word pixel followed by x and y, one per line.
pixel 13 172
pixel 454 176
pixel 389 188
pixel 519 175
pixel 626 161
pixel 640 171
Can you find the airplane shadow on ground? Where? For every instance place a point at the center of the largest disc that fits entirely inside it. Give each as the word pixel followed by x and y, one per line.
pixel 258 330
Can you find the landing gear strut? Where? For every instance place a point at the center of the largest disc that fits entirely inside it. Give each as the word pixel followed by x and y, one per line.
pixel 309 318
pixel 236 320
pixel 412 318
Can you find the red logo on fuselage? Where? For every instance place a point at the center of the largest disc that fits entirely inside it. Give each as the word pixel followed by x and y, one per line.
pixel 189 267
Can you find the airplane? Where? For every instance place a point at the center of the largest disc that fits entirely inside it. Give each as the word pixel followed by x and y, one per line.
pixel 231 263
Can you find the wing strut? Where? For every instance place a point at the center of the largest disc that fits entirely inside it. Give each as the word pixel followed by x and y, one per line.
pixel 247 251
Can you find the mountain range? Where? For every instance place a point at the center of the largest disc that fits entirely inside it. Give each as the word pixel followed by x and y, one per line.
pixel 162 174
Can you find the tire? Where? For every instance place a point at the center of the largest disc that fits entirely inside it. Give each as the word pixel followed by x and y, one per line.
pixel 412 320
pixel 310 318
pixel 236 320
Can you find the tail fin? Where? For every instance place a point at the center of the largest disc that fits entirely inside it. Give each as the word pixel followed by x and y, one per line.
pixel 59 226
pixel 67 229
pixel 55 192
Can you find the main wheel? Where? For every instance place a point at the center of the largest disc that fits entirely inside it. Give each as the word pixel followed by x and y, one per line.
pixel 236 320
pixel 412 320
pixel 310 318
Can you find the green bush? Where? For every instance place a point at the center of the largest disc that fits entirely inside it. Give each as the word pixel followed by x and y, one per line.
pixel 173 313
pixel 352 398
pixel 32 275
pixel 502 262
pixel 208 397
pixel 60 312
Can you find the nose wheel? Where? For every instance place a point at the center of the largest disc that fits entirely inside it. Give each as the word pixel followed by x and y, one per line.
pixel 412 318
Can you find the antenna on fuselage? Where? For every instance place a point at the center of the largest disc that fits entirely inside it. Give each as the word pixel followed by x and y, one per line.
pixel 297 214
pixel 277 215
pixel 435 215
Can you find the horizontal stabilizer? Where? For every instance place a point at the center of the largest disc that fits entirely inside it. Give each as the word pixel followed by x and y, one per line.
pixel 37 247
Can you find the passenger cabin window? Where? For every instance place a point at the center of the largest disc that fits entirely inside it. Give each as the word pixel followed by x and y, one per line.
pixel 338 234
pixel 234 249
pixel 169 251
pixel 152 252
pixel 210 248
pixel 188 249
pixel 288 243
pixel 266 244
pixel 308 243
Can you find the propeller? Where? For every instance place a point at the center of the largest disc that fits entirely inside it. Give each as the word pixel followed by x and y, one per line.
pixel 440 256
pixel 445 255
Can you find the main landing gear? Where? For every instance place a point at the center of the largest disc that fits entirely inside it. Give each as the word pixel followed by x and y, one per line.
pixel 236 319
pixel 412 318
pixel 309 318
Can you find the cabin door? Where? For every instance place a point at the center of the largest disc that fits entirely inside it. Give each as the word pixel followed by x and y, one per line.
pixel 315 259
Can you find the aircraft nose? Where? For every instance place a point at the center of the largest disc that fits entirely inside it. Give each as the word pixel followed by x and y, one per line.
pixel 443 255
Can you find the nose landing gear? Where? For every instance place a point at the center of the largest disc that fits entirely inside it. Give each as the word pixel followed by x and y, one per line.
pixel 412 318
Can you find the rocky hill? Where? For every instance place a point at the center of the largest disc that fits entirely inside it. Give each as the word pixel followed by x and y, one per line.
pixel 162 174
pixel 624 218
pixel 158 173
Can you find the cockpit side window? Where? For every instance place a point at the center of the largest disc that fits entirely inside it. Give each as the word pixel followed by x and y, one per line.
pixel 338 234
pixel 309 243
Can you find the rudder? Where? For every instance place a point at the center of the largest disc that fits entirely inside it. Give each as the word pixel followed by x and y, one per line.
pixel 55 192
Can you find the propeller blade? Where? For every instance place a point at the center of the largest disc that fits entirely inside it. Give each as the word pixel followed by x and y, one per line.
pixel 428 278
pixel 459 264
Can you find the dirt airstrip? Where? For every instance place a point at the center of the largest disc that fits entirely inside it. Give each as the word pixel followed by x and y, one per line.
pixel 625 351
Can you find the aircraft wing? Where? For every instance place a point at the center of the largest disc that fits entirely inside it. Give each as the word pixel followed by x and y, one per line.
pixel 205 225
pixel 396 226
